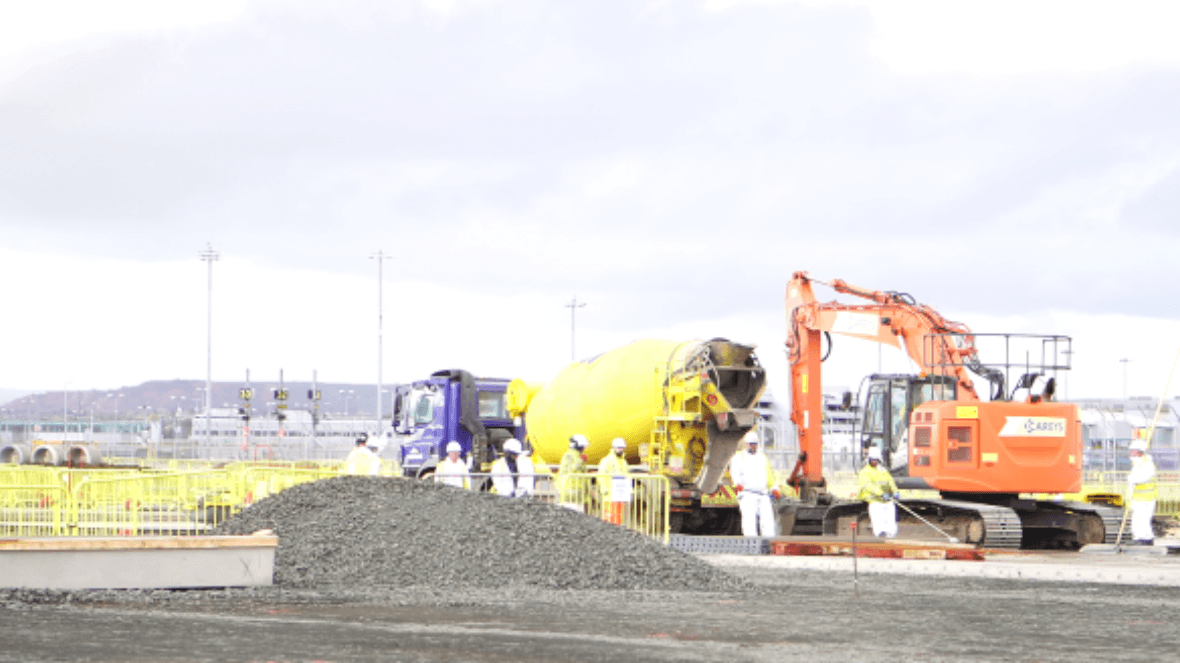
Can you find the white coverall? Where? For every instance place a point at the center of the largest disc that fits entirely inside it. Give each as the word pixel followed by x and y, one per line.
pixel 875 484
pixel 752 472
pixel 453 473
pixel 1144 491
pixel 513 486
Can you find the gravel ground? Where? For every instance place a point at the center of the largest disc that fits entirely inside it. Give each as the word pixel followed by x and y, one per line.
pixel 386 569
pixel 782 616
pixel 376 531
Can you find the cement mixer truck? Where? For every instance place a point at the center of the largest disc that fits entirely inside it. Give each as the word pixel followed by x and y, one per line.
pixel 682 407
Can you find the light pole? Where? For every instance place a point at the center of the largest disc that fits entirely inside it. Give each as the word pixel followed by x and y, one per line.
pixel 1125 362
pixel 1069 353
pixel 209 255
pixel 381 257
pixel 347 393
pixel 573 306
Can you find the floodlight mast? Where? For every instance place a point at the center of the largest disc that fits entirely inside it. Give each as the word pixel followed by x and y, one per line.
pixel 209 255
pixel 381 257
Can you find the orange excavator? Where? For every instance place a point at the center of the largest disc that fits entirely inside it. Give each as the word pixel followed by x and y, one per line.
pixel 934 430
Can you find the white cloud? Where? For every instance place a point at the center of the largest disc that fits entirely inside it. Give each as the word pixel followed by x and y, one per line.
pixel 668 165
pixel 34 32
pixel 997 37
pixel 1004 37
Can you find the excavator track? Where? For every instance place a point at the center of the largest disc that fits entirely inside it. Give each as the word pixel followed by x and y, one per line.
pixel 1066 525
pixel 1002 528
pixel 985 525
pixel 1112 519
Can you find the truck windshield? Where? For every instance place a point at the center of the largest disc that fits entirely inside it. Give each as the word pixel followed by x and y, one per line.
pixel 424 404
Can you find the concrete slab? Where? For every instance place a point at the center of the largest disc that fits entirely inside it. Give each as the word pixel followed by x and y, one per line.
pixel 138 562
pixel 1050 567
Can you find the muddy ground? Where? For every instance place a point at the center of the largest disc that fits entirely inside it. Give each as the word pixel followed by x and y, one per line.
pixel 785 616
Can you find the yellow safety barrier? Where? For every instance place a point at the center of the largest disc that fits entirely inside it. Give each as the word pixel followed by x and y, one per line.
pixel 257 483
pixel 639 502
pixel 163 504
pixel 54 501
pixel 32 510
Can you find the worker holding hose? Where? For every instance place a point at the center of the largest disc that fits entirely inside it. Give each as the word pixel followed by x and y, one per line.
pixel 878 488
pixel 1144 490
pixel 754 482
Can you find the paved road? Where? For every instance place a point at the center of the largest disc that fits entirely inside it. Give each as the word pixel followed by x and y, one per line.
pixel 787 615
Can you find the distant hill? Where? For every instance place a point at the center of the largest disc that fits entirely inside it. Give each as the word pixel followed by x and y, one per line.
pixel 7 395
pixel 162 397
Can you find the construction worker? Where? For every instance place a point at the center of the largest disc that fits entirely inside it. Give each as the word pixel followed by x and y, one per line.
pixel 506 472
pixel 526 482
pixel 878 488
pixel 753 479
pixel 571 490
pixel 614 485
pixel 1143 491
pixel 453 471
pixel 361 460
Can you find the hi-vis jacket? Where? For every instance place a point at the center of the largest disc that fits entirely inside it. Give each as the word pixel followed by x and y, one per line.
pixel 875 483
pixel 362 461
pixel 572 488
pixel 751 471
pixel 1142 480
pixel 454 474
pixel 611 465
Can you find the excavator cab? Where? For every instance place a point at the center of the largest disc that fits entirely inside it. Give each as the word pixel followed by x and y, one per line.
pixel 888 403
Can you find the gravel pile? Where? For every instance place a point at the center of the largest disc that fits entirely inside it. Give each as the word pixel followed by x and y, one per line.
pixel 374 531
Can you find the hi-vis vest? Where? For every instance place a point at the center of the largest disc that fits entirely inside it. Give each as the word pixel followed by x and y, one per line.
pixel 1146 492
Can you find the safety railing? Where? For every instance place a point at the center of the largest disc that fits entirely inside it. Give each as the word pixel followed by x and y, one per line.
pixel 32 510
pixel 164 504
pixel 54 501
pixel 1110 486
pixel 639 502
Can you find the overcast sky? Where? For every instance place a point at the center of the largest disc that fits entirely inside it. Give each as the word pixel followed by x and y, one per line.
pixel 1016 165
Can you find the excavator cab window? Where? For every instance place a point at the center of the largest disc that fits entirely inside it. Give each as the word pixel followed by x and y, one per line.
pixel 898 413
pixel 890 402
pixel 875 411
pixel 934 391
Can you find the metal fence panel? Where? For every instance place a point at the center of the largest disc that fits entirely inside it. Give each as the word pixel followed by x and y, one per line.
pixel 638 502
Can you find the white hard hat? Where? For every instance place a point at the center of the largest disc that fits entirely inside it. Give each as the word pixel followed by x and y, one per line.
pixel 1139 445
pixel 579 441
pixel 618 443
pixel 875 453
pixel 512 446
pixel 453 446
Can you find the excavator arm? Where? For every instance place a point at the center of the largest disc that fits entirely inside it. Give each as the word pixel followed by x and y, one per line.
pixel 939 347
